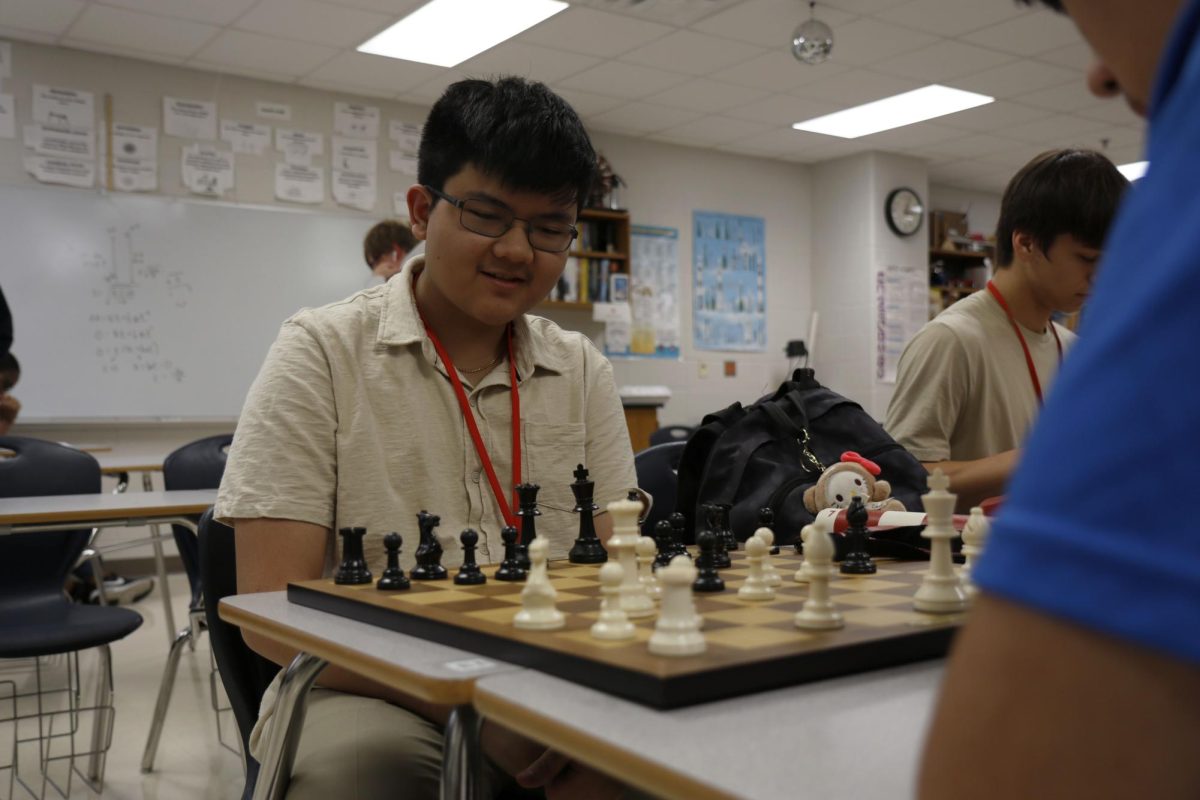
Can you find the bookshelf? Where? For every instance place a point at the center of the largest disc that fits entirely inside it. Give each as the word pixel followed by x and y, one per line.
pixel 958 264
pixel 601 251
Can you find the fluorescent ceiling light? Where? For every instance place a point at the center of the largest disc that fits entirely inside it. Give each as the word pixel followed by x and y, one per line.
pixel 894 112
pixel 1133 170
pixel 448 32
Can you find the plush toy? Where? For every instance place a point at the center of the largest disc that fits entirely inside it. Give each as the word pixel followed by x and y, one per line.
pixel 853 476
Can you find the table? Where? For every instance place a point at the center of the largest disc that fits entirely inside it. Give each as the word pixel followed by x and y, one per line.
pixel 857 737
pixel 425 669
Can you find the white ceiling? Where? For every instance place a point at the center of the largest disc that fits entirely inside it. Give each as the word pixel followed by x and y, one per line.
pixel 703 73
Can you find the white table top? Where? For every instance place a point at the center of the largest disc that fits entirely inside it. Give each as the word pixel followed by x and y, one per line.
pixel 104 506
pixel 857 737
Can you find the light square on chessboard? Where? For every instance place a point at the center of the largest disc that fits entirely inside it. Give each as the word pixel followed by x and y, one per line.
pixel 870 599
pixel 503 615
pixel 561 583
pixel 851 583
pixel 640 634
pixel 570 570
pixel 428 598
pixel 881 617
pixel 748 638
pixel 750 615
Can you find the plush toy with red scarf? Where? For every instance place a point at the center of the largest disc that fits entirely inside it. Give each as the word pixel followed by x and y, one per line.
pixel 853 476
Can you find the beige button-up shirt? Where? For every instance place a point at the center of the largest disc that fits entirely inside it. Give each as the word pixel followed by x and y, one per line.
pixel 353 421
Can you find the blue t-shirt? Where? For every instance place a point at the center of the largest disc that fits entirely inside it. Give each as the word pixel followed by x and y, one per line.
pixel 1100 525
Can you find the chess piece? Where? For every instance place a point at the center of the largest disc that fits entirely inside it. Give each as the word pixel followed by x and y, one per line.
pixel 644 549
pixel 756 586
pixel 940 591
pixel 469 574
pixel 634 600
pixel 613 623
pixel 510 568
pixel 429 550
pixel 803 573
pixel 353 569
pixel 664 543
pixel 707 577
pixel 537 598
pixel 678 533
pixel 720 555
pixel 858 560
pixel 766 519
pixel 393 578
pixel 528 512
pixel 818 612
pixel 728 541
pixel 677 631
pixel 770 574
pixel 587 548
pixel 974 537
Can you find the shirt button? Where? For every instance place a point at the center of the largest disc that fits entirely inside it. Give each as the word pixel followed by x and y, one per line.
pixel 475 476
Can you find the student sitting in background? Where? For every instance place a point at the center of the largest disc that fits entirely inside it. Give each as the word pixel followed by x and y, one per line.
pixel 386 246
pixel 971 381
pixel 10 407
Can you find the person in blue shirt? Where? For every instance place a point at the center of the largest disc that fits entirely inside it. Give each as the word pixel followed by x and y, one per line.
pixel 1078 673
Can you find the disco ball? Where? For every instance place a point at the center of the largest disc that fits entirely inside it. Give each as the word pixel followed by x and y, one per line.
pixel 812 42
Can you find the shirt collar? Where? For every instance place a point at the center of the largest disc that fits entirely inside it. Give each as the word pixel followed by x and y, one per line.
pixel 400 324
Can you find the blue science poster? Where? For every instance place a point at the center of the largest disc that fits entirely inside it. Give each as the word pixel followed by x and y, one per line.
pixel 729 282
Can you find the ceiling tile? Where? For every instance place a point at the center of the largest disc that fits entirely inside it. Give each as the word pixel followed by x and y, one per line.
pixel 688 51
pixel 1070 96
pixel 377 73
pixel 861 6
pixel 398 9
pixel 767 23
pixel 624 80
pixel 1029 34
pixel 706 95
pixel 143 32
pixel 41 16
pixel 951 17
pixel 268 54
pixel 943 61
pixel 777 71
pixel 987 119
pixel 215 12
pixel 311 21
pixel 856 87
pixel 1115 110
pixel 782 110
pixel 838 148
pixel 347 88
pixel 1016 78
pixel 1121 136
pixel 1077 56
pixel 527 60
pixel 1055 130
pixel 673 12
pixel 594 33
pixel 641 118
pixel 974 145
pixel 21 35
pixel 429 91
pixel 712 130
pixel 1126 154
pixel 588 103
pixel 918 135
pixel 780 140
pixel 865 41
pixel 226 68
pixel 124 51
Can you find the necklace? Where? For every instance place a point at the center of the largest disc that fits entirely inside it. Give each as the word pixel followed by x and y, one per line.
pixel 1033 376
pixel 497 360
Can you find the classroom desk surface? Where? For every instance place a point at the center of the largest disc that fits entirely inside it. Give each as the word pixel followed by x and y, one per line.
pixel 857 737
pixel 137 508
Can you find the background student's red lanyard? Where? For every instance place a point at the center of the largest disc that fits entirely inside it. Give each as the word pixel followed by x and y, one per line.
pixel 1033 376
pixel 505 509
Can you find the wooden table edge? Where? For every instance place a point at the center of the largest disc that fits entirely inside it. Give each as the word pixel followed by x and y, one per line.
pixel 446 691
pixel 627 765
pixel 105 514
pixel 111 469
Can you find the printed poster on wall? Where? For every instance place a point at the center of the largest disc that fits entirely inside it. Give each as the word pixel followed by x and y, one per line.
pixel 207 170
pixel 189 119
pixel 135 141
pixel 64 108
pixel 653 330
pixel 355 120
pixel 297 183
pixel 8 117
pixel 901 309
pixel 729 311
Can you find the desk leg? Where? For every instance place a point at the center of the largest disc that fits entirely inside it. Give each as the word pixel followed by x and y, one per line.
pixel 160 566
pixel 284 730
pixel 462 758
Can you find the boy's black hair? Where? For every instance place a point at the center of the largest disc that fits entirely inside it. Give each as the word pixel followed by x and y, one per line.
pixel 511 129
pixel 1060 191
pixel 10 371
pixel 384 237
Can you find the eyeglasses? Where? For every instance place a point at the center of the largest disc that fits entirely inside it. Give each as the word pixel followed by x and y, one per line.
pixel 494 220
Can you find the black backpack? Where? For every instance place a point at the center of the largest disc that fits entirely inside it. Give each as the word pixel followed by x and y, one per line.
pixel 767 454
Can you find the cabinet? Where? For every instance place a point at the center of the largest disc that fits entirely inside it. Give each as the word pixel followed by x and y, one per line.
pixel 958 264
pixel 600 251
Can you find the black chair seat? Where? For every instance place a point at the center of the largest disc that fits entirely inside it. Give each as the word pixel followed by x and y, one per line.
pixel 55 625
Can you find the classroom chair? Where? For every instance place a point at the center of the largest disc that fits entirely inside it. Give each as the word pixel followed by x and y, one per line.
pixel 196 465
pixel 658 473
pixel 671 433
pixel 39 622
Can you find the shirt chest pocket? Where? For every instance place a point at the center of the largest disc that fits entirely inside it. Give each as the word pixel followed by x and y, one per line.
pixel 552 452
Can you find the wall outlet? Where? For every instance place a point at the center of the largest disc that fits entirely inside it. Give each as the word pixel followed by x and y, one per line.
pixel 703 369
pixel 730 369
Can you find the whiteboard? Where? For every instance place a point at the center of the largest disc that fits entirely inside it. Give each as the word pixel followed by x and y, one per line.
pixel 155 308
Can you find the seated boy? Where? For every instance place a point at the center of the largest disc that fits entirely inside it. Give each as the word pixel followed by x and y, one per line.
pixel 358 418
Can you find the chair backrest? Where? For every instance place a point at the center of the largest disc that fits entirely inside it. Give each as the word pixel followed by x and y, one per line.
pixel 35 565
pixel 671 433
pixel 657 469
pixel 196 465
pixel 244 673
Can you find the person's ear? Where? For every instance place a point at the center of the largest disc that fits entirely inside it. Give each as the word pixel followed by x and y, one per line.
pixel 420 206
pixel 1024 245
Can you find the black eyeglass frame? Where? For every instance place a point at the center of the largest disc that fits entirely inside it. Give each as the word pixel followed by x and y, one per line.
pixel 461 206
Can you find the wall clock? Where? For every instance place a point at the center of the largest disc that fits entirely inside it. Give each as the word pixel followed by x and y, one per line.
pixel 904 211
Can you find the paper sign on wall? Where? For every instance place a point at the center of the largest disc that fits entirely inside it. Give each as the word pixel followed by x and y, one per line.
pixel 8 117
pixel 297 183
pixel 189 119
pixel 299 147
pixel 276 111
pixel 400 204
pixel 246 137
pixel 358 121
pixel 48 141
pixel 64 171
pixel 135 141
pixel 356 155
pixel 354 189
pixel 405 163
pixel 406 135
pixel 135 174
pixel 207 170
pixel 64 108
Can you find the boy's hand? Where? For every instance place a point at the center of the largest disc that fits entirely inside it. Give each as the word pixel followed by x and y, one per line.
pixel 9 408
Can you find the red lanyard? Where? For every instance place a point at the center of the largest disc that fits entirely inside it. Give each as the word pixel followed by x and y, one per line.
pixel 505 509
pixel 1033 376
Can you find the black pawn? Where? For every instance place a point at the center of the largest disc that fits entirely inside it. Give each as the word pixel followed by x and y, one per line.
pixel 528 511
pixel 712 523
pixel 766 519
pixel 858 560
pixel 510 568
pixel 678 530
pixel 469 574
pixel 353 569
pixel 707 577
pixel 429 551
pixel 587 548
pixel 730 541
pixel 393 578
pixel 665 543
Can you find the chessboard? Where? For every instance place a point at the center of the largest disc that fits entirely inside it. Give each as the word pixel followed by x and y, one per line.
pixel 752 646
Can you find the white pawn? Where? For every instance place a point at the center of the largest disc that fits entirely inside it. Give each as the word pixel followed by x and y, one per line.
pixel 677 631
pixel 940 591
pixel 537 598
pixel 646 551
pixel 974 536
pixel 769 572
pixel 802 574
pixel 818 613
pixel 622 547
pixel 613 622
pixel 756 586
